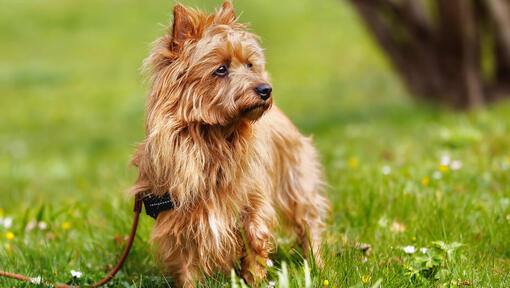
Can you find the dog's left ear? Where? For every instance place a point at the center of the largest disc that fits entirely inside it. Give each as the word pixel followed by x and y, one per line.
pixel 226 14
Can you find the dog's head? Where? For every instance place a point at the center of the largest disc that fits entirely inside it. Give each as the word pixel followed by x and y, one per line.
pixel 209 69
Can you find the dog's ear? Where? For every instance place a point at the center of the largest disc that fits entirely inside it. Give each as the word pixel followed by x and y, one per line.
pixel 226 14
pixel 182 27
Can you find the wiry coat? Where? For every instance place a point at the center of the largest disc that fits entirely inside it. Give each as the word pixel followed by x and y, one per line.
pixel 230 160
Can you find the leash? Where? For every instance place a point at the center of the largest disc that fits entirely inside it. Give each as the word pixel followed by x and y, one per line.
pixel 137 209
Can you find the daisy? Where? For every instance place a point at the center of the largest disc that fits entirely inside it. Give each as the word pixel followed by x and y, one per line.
pixel 6 222
pixel 456 165
pixel 76 274
pixel 409 249
pixel 386 170
pixel 36 280
pixel 445 160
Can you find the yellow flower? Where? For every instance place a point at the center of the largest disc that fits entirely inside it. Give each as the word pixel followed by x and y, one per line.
pixel 443 168
pixel 9 235
pixel 326 282
pixel 353 162
pixel 366 278
pixel 1 212
pixel 425 181
pixel 66 225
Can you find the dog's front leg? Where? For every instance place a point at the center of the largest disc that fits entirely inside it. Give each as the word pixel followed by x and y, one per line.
pixel 257 224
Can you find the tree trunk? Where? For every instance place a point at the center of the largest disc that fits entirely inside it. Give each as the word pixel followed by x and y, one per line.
pixel 438 51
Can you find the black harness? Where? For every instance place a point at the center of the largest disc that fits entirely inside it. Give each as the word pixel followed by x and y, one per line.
pixel 156 204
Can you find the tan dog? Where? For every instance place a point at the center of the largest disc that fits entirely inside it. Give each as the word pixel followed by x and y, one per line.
pixel 230 161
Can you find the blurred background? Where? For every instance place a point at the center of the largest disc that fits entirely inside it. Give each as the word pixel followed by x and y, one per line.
pixel 394 93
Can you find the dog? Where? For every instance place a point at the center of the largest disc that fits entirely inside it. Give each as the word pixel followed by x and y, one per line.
pixel 232 163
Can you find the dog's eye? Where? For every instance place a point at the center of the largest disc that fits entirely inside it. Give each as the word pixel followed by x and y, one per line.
pixel 222 71
pixel 249 65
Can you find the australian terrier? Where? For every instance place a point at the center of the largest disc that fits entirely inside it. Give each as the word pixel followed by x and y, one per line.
pixel 232 163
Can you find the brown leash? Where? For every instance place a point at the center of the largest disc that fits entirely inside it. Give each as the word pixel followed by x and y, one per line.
pixel 137 209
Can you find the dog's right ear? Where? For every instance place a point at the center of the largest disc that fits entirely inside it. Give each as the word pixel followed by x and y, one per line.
pixel 182 28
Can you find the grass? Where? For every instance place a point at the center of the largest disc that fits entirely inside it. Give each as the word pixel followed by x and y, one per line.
pixel 72 103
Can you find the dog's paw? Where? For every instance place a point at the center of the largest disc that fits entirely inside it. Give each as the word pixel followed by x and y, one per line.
pixel 254 270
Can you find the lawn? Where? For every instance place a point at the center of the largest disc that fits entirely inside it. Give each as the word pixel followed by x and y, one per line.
pixel 403 175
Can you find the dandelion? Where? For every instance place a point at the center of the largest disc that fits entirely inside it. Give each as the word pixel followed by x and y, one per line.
pixel 437 175
pixel 353 162
pixel 36 280
pixel 1 212
pixel 366 278
pixel 326 282
pixel 456 165
pixel 76 274
pixel 409 249
pixel 66 225
pixel 424 250
pixel 425 181
pixel 397 227
pixel 9 235
pixel 443 168
pixel 386 170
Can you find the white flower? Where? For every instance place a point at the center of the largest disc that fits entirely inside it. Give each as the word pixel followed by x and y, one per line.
pixel 7 222
pixel 36 280
pixel 445 160
pixel 76 274
pixel 269 263
pixel 386 170
pixel 30 226
pixel 424 250
pixel 456 165
pixel 42 225
pixel 409 249
pixel 271 284
pixel 437 175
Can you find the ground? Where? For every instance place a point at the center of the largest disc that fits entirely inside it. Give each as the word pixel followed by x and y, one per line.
pixel 402 174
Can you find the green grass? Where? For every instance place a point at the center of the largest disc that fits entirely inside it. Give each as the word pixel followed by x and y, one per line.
pixel 72 101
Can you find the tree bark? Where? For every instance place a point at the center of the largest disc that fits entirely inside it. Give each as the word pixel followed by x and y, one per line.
pixel 439 57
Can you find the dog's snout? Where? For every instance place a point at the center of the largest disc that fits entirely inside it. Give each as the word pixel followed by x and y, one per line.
pixel 264 91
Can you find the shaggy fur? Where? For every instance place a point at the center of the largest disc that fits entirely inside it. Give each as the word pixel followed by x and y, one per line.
pixel 232 162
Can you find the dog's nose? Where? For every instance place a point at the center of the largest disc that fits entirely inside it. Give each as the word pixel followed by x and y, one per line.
pixel 264 91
